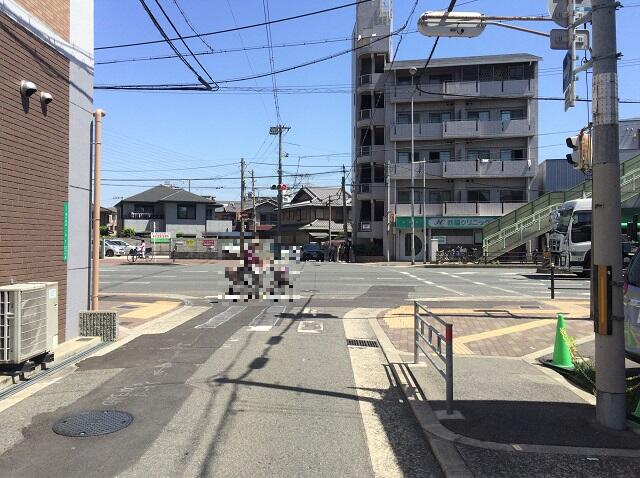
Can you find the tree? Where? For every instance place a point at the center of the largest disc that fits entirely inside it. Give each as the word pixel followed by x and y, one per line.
pixel 104 231
pixel 129 232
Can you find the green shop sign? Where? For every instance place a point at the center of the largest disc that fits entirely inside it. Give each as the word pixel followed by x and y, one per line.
pixel 444 222
pixel 65 231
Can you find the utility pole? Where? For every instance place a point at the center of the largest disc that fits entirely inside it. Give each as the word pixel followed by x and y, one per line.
pixel 329 220
pixel 606 246
pixel 345 213
pixel 277 130
pixel 241 206
pixel 95 258
pixel 425 245
pixel 413 72
pixel 253 198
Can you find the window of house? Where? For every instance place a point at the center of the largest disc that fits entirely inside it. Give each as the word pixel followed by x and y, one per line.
pixel 512 195
pixel 508 115
pixel 378 173
pixel 438 79
pixel 478 195
pixel 143 208
pixel 365 102
pixel 210 213
pixel 365 173
pixel 404 118
pixel 511 154
pixel 379 63
pixel 478 115
pixel 516 72
pixel 403 157
pixel 186 211
pixel 378 99
pixel 365 210
pixel 403 80
pixel 404 196
pixel 438 197
pixel 478 154
pixel 439 156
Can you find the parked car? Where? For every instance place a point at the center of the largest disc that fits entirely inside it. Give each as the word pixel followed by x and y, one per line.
pixel 114 247
pixel 312 251
pixel 632 309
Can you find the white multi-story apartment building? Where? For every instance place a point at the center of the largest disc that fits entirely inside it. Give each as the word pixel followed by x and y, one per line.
pixel 475 140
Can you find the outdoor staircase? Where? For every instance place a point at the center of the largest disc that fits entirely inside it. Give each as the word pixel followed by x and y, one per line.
pixel 532 220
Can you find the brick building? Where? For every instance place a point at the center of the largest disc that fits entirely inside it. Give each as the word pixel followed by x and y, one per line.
pixel 45 148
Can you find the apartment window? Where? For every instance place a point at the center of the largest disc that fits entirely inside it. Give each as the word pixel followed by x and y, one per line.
pixel 403 80
pixel 379 63
pixel 378 99
pixel 365 210
pixel 404 196
pixel 186 211
pixel 403 157
pixel 210 213
pixel 478 115
pixel 378 210
pixel 439 117
pixel 478 154
pixel 143 208
pixel 479 195
pixel 404 118
pixel 365 173
pixel 511 154
pixel 511 195
pixel 378 173
pixel 516 72
pixel 439 156
pixel 365 65
pixel 439 79
pixel 438 197
pixel 508 115
pixel 378 135
pixel 365 102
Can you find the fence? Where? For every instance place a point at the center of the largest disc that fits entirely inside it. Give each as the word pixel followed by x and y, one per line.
pixel 421 316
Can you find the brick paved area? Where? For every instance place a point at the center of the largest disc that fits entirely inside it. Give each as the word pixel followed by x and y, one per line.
pixel 506 330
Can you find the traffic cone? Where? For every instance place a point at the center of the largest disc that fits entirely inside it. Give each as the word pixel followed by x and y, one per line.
pixel 561 352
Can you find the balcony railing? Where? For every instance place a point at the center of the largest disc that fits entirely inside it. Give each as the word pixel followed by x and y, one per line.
pixel 447 90
pixel 144 215
pixel 458 208
pixel 402 131
pixel 486 129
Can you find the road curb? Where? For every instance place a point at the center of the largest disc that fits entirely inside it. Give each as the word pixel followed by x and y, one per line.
pixel 445 451
pixel 435 431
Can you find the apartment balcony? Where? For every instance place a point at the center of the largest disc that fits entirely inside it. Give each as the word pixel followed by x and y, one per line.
pixel 367 229
pixel 421 131
pixel 368 117
pixel 368 191
pixel 447 91
pixel 458 209
pixel 487 129
pixel 487 168
pixel 370 154
pixel 403 170
pixel 371 81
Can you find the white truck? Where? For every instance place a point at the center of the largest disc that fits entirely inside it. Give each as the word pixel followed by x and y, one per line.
pixel 570 239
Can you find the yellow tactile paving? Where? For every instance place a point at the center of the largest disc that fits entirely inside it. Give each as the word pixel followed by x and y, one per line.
pixel 148 311
pixel 503 331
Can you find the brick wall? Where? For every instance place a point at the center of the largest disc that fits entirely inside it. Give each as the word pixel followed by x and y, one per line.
pixel 55 13
pixel 34 163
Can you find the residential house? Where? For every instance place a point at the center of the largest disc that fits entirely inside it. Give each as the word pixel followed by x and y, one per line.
pixel 311 213
pixel 266 215
pixel 167 209
pixel 109 218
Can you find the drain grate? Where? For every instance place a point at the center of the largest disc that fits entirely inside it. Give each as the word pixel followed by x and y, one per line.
pixel 530 307
pixel 362 343
pixel 93 423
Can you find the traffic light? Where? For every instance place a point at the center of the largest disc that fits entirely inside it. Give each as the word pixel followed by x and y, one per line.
pixel 279 187
pixel 580 158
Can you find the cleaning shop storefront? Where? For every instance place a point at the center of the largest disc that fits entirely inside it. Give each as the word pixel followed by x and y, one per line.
pixel 450 232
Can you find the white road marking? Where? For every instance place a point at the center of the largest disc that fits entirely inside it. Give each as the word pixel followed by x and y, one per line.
pixel 389 278
pixel 463 273
pixel 479 283
pixel 266 319
pixel 222 317
pixel 310 327
pixel 137 282
pixel 431 283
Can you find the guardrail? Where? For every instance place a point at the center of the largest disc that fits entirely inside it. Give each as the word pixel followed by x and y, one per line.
pixel 420 320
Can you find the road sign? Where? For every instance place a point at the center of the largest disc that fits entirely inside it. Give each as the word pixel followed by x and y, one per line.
pixel 466 24
pixel 160 237
pixel 559 39
pixel 567 72
pixel 559 10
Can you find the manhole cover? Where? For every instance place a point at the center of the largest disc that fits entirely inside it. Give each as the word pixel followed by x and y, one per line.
pixel 362 343
pixel 93 423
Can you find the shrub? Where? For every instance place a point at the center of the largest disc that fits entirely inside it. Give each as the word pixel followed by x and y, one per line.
pixel 129 232
pixel 104 231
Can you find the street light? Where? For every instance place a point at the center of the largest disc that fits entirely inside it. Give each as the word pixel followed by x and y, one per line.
pixel 412 71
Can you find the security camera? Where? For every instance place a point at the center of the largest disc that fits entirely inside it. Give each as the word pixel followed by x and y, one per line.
pixel 413 70
pixel 28 88
pixel 46 98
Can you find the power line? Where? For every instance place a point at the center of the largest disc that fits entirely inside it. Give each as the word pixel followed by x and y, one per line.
pixel 265 8
pixel 227 30
pixel 173 47
pixel 215 178
pixel 190 25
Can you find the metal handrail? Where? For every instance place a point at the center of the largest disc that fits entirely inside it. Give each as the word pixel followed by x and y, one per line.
pixel 419 323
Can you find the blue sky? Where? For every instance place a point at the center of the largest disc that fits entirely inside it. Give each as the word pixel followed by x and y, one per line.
pixel 168 135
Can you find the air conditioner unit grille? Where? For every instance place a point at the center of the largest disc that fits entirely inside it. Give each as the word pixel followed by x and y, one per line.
pixel 33 327
pixel 7 315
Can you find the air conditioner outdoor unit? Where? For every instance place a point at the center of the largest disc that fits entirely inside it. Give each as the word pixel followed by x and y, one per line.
pixel 52 313
pixel 23 322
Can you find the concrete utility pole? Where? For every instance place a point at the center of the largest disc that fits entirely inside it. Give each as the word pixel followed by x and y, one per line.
pixel 95 259
pixel 241 206
pixel 277 130
pixel 253 198
pixel 345 214
pixel 413 72
pixel 329 220
pixel 606 245
pixel 425 244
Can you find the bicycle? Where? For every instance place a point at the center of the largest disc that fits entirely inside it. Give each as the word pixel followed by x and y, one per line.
pixel 134 255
